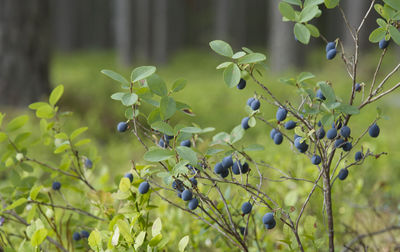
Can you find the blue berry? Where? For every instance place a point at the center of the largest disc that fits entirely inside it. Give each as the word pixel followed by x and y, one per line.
pixel 271 225
pixel 163 143
pixel 374 130
pixel 347 146
pixel 129 176
pixel 331 54
pixel 343 173
pixel 331 134
pixel 227 162
pixel 383 43
pixel 345 131
pixel 225 173
pixel 255 104
pixel 56 185
pixel 194 181
pixel 88 163
pixel 278 138
pixel 241 84
pixel 250 100
pixel 187 195
pixel 281 114
pixel 76 236
pixel 245 123
pixel 339 143
pixel 122 126
pixel 84 234
pixel 268 218
pixel 319 95
pixel 218 168
pixel 290 125
pixel 330 46
pixel 246 208
pixel 316 160
pixel 144 187
pixel 186 143
pixel 358 156
pixel 193 203
pixel 272 133
pixel 357 87
pixel 320 133
pixel 301 146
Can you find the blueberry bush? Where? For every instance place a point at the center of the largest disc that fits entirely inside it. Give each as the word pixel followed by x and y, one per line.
pixel 53 198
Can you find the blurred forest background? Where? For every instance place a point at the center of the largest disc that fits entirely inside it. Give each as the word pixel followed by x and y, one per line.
pixel 44 43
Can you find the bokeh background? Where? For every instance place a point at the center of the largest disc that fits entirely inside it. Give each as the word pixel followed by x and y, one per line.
pixel 44 43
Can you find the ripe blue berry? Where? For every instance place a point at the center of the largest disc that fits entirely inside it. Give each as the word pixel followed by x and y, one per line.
pixel 357 87
pixel 218 168
pixel 358 156
pixel 245 123
pixel 186 143
pixel 236 167
pixel 320 133
pixel 187 195
pixel 76 236
pixel 343 173
pixel 168 137
pixel 242 230
pixel 316 160
pixel 330 46
pixel 347 146
pixel 345 131
pixel 281 114
pixel 144 187
pixel 246 207
pixel 194 181
pixel 241 84
pixel 301 146
pixel 295 136
pixel 339 143
pixel 225 173
pixel 163 143
pixel 84 234
pixel 331 54
pixel 290 125
pixel 56 185
pixel 271 225
pixel 255 104
pixel 337 125
pixel 374 130
pixel 250 100
pixel 122 126
pixel 383 43
pixel 278 138
pixel 129 176
pixel 193 203
pixel 268 218
pixel 227 162
pixel 88 163
pixel 319 124
pixel 331 134
pixel 272 133
pixel 319 95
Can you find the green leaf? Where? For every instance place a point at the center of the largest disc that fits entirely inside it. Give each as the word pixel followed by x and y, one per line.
pixel 313 30
pixel 295 2
pixel 163 128
pixel 38 237
pixel 327 120
pixel 140 239
pixel 124 184
pixel 83 142
pixel 381 22
pixel 115 76
pixel 178 85
pixel 154 116
pixel 304 76
pixel 327 91
pixel 221 138
pixel 308 13
pixel 377 35
pixel 348 109
pixel 195 130
pixel 395 34
pixel 16 203
pixel 129 99
pixel 252 58
pixel 94 240
pixel 302 33
pixel 224 65
pixel 157 155
pixel 287 11
pixel 45 111
pixel 183 243
pixel 61 148
pixel 117 96
pixel 237 134
pixel 167 107
pixel 155 240
pixel 35 191
pixel 238 55
pixel 77 132
pixel 157 226
pixel 142 72
pixel 330 4
pixel 395 4
pixel 124 229
pixel 188 154
pixel 157 85
pixel 232 75
pixel 312 2
pixel 17 123
pixel 3 136
pixel 222 48
pixel 179 168
pixel 56 95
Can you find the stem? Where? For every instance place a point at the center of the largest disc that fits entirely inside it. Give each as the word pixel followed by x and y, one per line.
pixel 328 203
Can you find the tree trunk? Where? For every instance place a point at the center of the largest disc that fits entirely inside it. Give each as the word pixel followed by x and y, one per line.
pixel 24 51
pixel 123 31
pixel 222 20
pixel 160 33
pixel 283 47
pixel 239 30
pixel 142 27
